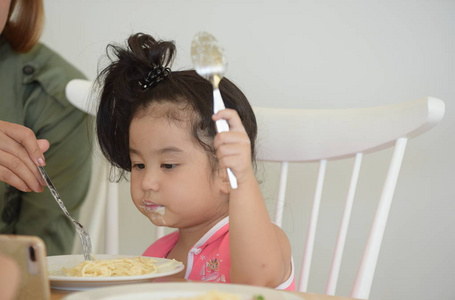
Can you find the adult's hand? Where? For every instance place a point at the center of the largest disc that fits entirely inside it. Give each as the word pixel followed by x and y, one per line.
pixel 20 154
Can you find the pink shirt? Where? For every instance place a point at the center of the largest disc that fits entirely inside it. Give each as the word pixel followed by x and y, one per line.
pixel 209 259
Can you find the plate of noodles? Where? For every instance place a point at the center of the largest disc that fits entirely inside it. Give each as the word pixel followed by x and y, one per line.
pixel 184 291
pixel 71 272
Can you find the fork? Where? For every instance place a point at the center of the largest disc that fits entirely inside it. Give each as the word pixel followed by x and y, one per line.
pixel 83 234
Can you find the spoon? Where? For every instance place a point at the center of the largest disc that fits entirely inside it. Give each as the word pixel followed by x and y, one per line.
pixel 210 63
pixel 83 234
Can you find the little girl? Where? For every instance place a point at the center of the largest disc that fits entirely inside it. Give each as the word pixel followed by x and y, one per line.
pixel 159 125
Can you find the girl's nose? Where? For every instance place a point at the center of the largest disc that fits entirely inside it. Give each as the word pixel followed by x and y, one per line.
pixel 150 181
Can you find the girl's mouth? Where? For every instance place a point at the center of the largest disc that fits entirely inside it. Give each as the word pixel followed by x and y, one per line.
pixel 152 207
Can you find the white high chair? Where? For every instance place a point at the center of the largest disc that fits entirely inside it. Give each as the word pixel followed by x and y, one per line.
pixel 303 136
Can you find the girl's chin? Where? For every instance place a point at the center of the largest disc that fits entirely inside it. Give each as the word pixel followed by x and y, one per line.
pixel 157 219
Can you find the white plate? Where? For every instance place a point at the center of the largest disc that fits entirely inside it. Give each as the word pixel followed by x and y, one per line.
pixel 167 291
pixel 59 280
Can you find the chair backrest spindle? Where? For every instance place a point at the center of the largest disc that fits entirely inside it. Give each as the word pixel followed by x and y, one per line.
pixel 279 207
pixel 364 279
pixel 111 245
pixel 342 233
pixel 159 232
pixel 311 234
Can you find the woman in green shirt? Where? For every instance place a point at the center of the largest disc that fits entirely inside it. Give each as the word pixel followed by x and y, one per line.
pixel 36 117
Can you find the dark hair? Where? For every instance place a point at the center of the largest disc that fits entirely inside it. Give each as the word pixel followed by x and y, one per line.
pixel 122 97
pixel 24 24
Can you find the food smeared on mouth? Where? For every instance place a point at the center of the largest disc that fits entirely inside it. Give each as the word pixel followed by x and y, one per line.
pixel 157 211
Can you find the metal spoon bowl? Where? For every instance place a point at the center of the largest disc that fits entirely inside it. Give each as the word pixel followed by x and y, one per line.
pixel 208 57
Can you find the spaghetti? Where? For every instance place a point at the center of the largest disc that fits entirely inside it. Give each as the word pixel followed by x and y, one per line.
pixel 114 267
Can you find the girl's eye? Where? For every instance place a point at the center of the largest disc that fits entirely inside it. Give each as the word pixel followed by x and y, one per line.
pixel 139 166
pixel 168 166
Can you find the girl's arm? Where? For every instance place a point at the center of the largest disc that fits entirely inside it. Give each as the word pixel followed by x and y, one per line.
pixel 260 251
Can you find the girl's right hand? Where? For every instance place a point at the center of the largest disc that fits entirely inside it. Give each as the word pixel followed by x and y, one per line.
pixel 234 146
pixel 20 154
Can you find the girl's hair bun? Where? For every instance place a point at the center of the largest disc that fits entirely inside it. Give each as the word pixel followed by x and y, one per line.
pixel 150 51
pixel 129 65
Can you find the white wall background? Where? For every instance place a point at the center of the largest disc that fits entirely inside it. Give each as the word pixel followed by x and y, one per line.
pixel 315 54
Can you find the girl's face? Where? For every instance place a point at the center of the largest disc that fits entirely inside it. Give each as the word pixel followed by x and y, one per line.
pixel 171 180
